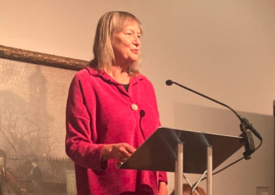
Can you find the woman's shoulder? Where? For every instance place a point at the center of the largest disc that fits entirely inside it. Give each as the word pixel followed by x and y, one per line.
pixel 85 72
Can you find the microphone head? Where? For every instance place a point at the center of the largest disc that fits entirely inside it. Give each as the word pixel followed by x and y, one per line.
pixel 169 82
pixel 142 113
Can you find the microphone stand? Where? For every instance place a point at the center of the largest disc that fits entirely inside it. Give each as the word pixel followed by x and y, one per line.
pixel 245 126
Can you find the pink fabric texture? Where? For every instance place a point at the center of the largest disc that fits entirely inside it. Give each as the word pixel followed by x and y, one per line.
pixel 100 111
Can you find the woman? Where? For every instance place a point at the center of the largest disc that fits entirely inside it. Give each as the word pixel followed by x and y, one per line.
pixel 111 111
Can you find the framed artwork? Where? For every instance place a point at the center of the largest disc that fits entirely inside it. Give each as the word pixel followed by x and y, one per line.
pixel 33 94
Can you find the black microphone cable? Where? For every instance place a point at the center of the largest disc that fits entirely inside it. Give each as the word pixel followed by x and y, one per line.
pixel 141 114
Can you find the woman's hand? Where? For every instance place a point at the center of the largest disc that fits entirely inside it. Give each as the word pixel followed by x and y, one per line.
pixel 162 188
pixel 120 151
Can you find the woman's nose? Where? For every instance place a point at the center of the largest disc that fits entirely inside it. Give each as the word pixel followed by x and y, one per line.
pixel 136 41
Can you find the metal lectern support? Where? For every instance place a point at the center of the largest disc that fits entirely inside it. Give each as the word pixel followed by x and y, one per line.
pixel 209 170
pixel 179 169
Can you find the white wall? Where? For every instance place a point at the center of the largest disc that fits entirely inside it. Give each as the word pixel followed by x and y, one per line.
pixel 225 49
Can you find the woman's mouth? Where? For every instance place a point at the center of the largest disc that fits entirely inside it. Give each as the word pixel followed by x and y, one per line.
pixel 135 51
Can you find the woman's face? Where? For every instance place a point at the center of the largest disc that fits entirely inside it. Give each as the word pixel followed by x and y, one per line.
pixel 126 44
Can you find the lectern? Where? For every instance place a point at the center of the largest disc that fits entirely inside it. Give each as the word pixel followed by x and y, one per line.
pixel 183 151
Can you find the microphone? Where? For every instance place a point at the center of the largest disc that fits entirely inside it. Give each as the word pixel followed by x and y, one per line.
pixel 245 124
pixel 169 82
pixel 142 113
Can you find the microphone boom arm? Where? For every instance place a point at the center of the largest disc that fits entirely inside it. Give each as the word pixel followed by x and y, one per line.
pixel 245 124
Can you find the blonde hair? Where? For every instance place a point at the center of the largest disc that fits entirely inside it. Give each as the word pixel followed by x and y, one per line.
pixel 103 51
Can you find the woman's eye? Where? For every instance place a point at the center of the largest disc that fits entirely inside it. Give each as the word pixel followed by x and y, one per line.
pixel 129 34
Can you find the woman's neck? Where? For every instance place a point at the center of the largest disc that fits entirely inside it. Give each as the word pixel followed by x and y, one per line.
pixel 119 74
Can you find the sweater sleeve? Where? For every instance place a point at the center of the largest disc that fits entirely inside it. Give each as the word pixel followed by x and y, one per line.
pixel 163 177
pixel 79 145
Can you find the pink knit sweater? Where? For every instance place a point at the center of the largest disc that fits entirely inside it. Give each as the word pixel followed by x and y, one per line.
pixel 100 111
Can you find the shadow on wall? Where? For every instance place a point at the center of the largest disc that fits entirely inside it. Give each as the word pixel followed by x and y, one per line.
pixel 221 121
